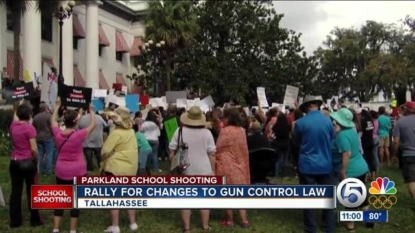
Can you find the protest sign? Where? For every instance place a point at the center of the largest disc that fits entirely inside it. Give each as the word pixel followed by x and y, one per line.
pixel 262 98
pixel 18 92
pixel 172 96
pixel 170 126
pixel 291 95
pixel 78 97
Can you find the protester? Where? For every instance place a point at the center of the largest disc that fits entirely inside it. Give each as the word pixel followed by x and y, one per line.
pixel 201 150
pixel 151 129
pixel 385 125
pixel 44 139
pixel 256 139
pixel 93 144
pixel 144 149
pixel 404 138
pixel 119 158
pixel 281 142
pixel 367 141
pixel 374 116
pixel 347 151
pixel 232 159
pixel 213 124
pixel 272 115
pixel 138 119
pixel 315 162
pixel 71 160
pixel 23 165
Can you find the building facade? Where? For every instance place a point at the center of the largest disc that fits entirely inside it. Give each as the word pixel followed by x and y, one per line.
pixel 99 41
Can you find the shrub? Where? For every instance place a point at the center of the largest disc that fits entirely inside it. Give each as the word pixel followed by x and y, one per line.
pixel 6 117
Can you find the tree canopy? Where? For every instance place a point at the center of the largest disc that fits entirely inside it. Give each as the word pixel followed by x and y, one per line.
pixel 362 62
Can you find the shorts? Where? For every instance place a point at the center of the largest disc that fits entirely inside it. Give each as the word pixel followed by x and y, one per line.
pixel 408 169
pixel 384 141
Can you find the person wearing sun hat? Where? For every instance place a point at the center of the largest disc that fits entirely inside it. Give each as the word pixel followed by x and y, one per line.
pixel 404 139
pixel 313 134
pixel 119 156
pixel 200 154
pixel 348 161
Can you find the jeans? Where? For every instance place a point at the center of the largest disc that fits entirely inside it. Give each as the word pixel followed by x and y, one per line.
pixel 282 160
pixel 19 177
pixel 45 156
pixel 90 153
pixel 376 152
pixel 154 154
pixel 143 159
pixel 309 221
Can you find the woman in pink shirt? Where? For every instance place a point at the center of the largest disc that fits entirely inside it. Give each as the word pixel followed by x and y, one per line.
pixel 23 165
pixel 71 160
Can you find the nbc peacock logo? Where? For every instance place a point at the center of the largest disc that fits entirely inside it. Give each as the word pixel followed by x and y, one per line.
pixel 382 192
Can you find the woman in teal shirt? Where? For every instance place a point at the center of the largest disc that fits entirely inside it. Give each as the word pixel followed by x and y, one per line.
pixel 347 157
pixel 144 151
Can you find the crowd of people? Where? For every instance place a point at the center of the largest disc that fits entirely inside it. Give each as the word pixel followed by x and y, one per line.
pixel 324 147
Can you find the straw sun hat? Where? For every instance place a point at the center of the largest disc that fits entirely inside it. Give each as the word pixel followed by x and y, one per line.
pixel 121 117
pixel 193 117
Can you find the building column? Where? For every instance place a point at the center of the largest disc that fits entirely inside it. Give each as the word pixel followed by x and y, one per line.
pixel 92 44
pixel 67 51
pixel 32 41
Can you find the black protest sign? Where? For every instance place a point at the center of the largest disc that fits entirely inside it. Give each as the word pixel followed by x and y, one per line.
pixel 77 97
pixel 18 92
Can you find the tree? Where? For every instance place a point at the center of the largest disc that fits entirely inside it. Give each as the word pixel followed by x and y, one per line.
pixel 19 7
pixel 174 22
pixel 367 60
pixel 241 46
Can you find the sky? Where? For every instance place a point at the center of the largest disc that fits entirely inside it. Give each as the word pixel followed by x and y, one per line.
pixel 315 19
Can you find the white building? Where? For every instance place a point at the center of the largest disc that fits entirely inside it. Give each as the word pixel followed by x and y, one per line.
pixel 99 41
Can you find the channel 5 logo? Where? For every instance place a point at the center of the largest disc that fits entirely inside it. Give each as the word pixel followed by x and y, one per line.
pixel 351 192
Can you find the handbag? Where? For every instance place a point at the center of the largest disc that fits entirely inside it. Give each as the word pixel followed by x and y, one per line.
pixel 63 143
pixel 29 164
pixel 180 161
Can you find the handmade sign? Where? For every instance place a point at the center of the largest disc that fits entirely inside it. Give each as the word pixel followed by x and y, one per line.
pixel 98 104
pixel 117 86
pixel 132 101
pixel 49 86
pixel 170 126
pixel 172 96
pixel 78 97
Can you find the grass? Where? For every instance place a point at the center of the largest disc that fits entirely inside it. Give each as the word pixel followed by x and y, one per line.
pixel 165 221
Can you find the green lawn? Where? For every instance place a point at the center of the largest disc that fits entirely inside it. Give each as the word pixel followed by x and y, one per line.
pixel 164 221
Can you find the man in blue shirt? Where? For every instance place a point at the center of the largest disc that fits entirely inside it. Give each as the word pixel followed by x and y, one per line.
pixel 314 134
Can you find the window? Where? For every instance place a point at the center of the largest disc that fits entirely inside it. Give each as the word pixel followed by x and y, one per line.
pixel 9 17
pixel 75 43
pixel 46 27
pixel 118 56
pixel 100 50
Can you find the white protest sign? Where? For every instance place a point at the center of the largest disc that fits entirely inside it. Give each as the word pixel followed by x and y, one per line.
pixel 49 86
pixel 262 98
pixel 197 102
pixel 181 103
pixel 153 102
pixel 189 104
pixel 291 94
pixel 98 93
pixel 208 101
pixel 408 96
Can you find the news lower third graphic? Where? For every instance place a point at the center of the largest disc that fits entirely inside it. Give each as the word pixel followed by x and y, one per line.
pixel 383 192
pixel 364 216
pixel 352 192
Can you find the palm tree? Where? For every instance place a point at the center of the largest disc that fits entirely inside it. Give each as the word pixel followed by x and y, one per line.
pixel 18 8
pixel 175 23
